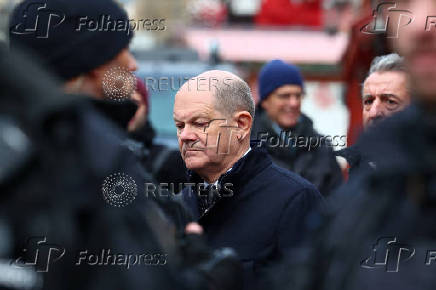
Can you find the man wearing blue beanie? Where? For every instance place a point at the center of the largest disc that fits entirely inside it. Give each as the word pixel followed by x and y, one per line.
pixel 287 133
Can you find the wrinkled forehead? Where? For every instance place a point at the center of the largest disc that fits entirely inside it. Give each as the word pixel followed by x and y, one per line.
pixel 385 83
pixel 191 100
pixel 199 93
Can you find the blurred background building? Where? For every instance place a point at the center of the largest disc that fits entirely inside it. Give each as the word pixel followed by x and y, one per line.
pixel 321 36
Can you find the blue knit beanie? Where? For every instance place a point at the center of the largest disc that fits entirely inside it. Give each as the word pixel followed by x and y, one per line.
pixel 275 74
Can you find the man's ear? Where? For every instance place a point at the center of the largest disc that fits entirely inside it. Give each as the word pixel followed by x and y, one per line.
pixel 97 73
pixel 82 84
pixel 95 81
pixel 75 85
pixel 244 122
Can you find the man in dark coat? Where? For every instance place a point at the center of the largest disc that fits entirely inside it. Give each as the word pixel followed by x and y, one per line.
pixel 237 194
pixel 52 170
pixel 97 63
pixel 385 92
pixel 92 62
pixel 51 177
pixel 382 233
pixel 288 134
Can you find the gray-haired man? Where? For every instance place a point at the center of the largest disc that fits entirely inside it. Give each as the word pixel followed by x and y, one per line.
pixel 385 91
pixel 251 205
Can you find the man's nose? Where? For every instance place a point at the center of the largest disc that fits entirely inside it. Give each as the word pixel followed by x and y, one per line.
pixel 376 109
pixel 187 134
pixel 293 101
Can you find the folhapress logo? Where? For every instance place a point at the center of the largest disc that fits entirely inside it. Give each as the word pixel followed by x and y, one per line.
pixel 388 22
pixel 38 20
pixel 388 254
pixel 39 254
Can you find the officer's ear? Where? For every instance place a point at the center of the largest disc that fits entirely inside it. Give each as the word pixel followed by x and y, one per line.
pixel 266 104
pixel 95 79
pixel 97 74
pixel 82 84
pixel 244 122
pixel 75 85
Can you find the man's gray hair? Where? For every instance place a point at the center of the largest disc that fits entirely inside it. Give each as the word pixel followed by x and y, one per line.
pixel 232 95
pixel 389 62
pixel 386 63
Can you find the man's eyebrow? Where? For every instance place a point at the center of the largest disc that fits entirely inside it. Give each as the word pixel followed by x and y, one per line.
pixel 200 117
pixel 389 96
pixel 193 118
pixel 381 95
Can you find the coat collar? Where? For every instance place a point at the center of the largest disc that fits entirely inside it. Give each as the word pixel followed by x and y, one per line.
pixel 242 172
pixel 304 128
